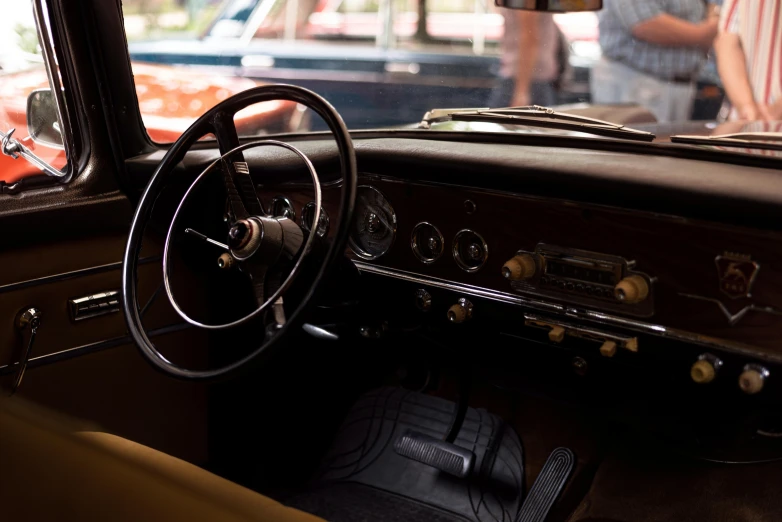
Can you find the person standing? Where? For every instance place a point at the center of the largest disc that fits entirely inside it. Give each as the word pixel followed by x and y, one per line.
pixel 653 51
pixel 749 58
pixel 529 63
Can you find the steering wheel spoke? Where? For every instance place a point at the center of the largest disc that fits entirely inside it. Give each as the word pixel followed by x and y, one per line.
pixel 239 186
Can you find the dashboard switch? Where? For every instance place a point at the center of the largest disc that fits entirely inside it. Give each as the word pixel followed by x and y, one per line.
pixel 520 267
pixel 702 372
pixel 460 312
pixel 752 379
pixel 608 349
pixel 705 369
pixel 631 290
pixel 556 334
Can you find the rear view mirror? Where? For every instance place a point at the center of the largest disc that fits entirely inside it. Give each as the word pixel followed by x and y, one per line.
pixel 43 122
pixel 552 6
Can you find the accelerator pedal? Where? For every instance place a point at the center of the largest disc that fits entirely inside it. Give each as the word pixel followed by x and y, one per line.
pixel 437 453
pixel 547 487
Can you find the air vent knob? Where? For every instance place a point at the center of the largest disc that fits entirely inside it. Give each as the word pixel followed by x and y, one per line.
pixel 520 267
pixel 632 289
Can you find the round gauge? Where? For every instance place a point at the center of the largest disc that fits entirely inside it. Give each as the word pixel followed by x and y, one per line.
pixel 374 226
pixel 427 242
pixel 281 207
pixel 308 214
pixel 470 250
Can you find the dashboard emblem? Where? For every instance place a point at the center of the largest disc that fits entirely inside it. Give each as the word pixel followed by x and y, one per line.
pixel 737 273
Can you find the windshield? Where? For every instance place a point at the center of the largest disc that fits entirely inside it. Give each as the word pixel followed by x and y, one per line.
pixel 385 63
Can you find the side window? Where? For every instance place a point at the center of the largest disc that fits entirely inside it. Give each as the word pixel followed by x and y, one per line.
pixel 24 84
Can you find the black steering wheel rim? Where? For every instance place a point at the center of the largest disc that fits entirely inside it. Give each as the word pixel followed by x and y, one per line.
pixel 217 116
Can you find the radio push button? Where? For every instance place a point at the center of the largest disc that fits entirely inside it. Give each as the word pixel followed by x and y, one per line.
pixel 520 267
pixel 631 290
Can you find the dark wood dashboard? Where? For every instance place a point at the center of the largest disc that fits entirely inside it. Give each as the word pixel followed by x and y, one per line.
pixel 691 263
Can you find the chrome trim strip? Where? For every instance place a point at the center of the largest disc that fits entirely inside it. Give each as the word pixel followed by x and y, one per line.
pixel 85 349
pixel 574 313
pixel 10 287
pixel 733 319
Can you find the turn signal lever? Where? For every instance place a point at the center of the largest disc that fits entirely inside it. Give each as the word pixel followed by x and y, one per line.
pixel 27 322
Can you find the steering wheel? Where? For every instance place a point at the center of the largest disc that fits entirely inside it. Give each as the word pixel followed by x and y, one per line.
pixel 256 241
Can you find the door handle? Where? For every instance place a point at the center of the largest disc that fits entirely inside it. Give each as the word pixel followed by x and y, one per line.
pixel 27 322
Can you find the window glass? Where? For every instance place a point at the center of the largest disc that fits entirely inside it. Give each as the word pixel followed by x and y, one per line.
pixel 22 72
pixel 385 63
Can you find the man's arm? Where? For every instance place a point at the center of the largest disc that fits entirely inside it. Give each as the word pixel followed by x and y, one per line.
pixel 650 21
pixel 529 45
pixel 665 29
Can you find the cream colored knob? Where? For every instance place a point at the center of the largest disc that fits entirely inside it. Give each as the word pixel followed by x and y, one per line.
pixel 460 312
pixel 608 349
pixel 225 261
pixel 703 372
pixel 520 267
pixel 631 290
pixel 751 381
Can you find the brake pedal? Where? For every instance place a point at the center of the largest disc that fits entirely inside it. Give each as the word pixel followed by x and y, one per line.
pixel 445 456
pixel 547 487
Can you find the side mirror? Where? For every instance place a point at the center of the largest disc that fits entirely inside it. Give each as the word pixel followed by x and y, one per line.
pixel 43 122
pixel 552 6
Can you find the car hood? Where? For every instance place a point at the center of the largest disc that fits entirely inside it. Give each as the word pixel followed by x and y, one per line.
pixel 170 98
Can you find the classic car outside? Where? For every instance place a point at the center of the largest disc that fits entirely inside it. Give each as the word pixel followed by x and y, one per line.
pixel 169 99
pixel 368 68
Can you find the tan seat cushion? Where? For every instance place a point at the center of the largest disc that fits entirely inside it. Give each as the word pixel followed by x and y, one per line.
pixel 49 472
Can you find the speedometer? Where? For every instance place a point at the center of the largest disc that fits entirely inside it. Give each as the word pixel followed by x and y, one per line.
pixel 374 227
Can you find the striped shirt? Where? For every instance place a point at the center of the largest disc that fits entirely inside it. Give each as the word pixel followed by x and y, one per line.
pixel 758 23
pixel 617 20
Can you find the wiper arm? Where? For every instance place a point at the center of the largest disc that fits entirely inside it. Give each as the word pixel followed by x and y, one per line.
pixel 536 116
pixel 745 140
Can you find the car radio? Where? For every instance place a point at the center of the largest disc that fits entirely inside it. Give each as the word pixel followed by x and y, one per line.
pixel 581 277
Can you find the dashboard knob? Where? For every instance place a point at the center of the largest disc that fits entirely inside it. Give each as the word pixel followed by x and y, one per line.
pixel 703 372
pixel 225 261
pixel 520 267
pixel 631 290
pixel 460 312
pixel 752 379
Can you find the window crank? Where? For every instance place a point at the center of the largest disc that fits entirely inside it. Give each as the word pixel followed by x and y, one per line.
pixel 27 322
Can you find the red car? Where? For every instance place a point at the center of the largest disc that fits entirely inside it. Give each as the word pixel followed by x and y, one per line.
pixel 170 100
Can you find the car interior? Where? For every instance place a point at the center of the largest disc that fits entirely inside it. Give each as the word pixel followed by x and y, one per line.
pixel 379 325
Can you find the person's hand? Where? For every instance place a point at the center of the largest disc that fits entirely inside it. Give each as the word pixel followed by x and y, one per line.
pixel 755 111
pixel 775 111
pixel 520 98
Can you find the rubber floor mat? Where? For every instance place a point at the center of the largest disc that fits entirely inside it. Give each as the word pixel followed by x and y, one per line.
pixel 363 454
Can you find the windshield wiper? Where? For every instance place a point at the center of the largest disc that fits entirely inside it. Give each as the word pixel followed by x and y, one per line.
pixel 745 140
pixel 536 116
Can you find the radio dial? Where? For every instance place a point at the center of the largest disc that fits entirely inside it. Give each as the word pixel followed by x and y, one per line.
pixel 631 290
pixel 520 267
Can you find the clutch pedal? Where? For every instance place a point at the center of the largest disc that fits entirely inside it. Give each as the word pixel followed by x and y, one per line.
pixel 547 487
pixel 445 456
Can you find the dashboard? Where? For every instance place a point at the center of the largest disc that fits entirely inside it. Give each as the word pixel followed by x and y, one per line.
pixel 620 282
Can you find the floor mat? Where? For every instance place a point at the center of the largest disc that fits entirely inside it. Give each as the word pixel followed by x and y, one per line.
pixel 351 502
pixel 363 454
